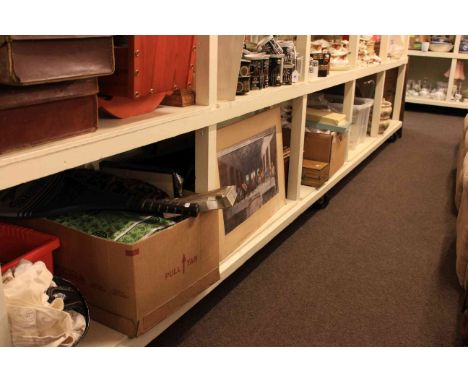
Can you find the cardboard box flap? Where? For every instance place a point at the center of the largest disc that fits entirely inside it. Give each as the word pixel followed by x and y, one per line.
pixel 317 146
pixel 163 311
pixel 122 324
pixel 174 261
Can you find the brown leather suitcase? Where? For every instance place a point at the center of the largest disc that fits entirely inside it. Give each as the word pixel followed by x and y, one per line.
pixel 30 60
pixel 36 114
pixel 147 69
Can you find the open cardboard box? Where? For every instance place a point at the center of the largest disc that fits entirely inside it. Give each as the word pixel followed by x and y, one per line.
pixel 328 148
pixel 133 287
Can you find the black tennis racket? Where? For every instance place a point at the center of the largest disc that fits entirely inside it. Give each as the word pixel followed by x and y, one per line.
pixel 82 190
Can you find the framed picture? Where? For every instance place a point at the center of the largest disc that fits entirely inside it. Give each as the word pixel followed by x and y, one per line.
pixel 250 156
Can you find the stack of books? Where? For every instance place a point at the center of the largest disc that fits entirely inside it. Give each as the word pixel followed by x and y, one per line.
pixel 326 120
pixel 314 173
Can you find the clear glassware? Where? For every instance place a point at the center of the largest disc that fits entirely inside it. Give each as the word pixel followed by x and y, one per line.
pixel 458 96
pixel 409 85
pixel 425 83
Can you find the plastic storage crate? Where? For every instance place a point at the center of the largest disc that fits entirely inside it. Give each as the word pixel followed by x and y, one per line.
pixel 361 112
pixel 18 243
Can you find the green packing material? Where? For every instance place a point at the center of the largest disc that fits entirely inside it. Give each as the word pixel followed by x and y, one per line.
pixel 119 226
pixel 327 127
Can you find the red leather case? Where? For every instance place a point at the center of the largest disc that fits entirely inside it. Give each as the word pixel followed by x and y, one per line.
pixel 147 69
pixel 36 114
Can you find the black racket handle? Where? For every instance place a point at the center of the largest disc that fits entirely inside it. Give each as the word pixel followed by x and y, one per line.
pixel 160 206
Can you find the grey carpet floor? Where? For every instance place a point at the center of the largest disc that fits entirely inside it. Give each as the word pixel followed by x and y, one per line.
pixel 374 268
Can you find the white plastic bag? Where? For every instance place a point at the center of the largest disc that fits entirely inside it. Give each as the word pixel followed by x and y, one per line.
pixel 33 320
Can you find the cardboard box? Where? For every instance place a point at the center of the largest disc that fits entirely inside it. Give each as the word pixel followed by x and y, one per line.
pixel 320 147
pixel 328 148
pixel 133 287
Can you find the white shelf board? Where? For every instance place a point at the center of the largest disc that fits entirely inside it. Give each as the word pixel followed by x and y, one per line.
pixel 117 136
pixel 450 55
pixel 428 101
pixel 112 137
pixel 256 100
pixel 100 335
pixel 419 53
pixel 337 77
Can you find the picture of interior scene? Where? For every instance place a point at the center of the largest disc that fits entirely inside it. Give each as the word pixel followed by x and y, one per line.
pixel 251 166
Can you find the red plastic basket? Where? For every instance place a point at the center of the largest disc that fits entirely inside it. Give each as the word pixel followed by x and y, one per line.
pixel 18 243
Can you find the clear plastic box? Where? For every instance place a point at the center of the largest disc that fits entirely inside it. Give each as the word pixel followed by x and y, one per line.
pixel 361 113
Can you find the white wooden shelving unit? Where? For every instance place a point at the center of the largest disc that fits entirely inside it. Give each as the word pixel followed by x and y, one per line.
pixel 458 56
pixel 453 57
pixel 433 102
pixel 117 136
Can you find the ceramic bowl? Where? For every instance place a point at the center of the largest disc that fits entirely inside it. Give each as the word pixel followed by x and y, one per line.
pixel 442 47
pixel 439 95
pixel 339 52
pixel 424 92
pixel 319 44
